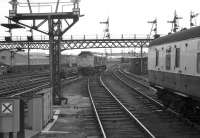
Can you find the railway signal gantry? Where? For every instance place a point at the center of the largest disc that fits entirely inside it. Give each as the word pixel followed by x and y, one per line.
pixel 55 31
pixel 58 23
pixel 83 43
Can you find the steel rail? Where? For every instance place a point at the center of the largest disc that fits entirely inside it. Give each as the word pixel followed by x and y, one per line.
pixel 168 110
pixel 139 92
pixel 43 85
pixel 125 73
pixel 148 133
pixel 30 90
pixel 22 75
pixel 12 90
pixel 72 77
pixel 157 103
pixel 96 113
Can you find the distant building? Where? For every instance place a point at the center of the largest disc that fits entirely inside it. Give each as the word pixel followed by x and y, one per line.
pixel 38 58
pixel 12 58
pixel 5 57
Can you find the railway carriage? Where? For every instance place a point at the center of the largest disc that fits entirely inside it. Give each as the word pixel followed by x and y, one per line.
pixel 174 70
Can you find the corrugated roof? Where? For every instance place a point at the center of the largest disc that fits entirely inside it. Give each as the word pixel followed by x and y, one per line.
pixel 179 36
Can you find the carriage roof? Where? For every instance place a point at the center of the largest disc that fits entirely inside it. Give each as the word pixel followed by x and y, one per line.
pixel 178 36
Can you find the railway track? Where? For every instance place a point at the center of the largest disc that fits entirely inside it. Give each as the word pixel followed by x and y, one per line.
pixel 11 85
pixel 143 88
pixel 22 76
pixel 161 123
pixel 29 86
pixel 7 92
pixel 132 79
pixel 114 119
pixel 141 85
pixel 90 124
pixel 13 81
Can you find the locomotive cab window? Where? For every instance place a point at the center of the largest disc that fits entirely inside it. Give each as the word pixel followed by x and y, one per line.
pixel 198 62
pixel 177 58
pixel 168 59
pixel 157 57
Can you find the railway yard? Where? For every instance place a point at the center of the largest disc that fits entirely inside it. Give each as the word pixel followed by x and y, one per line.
pixel 64 86
pixel 113 104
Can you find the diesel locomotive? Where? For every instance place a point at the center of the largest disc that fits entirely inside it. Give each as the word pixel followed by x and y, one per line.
pixel 90 63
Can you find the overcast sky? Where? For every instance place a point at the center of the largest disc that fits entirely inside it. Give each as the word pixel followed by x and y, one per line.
pixel 126 16
pixel 131 16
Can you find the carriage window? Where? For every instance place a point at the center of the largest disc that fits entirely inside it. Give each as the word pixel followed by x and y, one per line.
pixel 157 57
pixel 177 58
pixel 198 62
pixel 198 46
pixel 3 57
pixel 168 59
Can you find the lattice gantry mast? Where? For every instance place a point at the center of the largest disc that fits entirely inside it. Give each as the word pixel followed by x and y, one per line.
pixel 56 21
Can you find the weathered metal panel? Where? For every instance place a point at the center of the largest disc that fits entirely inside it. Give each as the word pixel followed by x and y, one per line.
pixel 10 115
pixel 39 110
pixel 46 106
pixel 186 84
pixel 35 113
